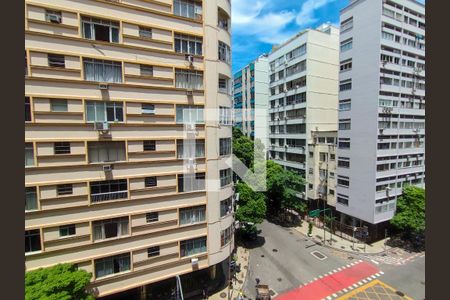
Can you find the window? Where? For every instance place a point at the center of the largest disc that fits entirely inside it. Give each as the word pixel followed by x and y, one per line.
pixel 32 240
pixel 106 151
pixel 191 182
pixel 149 145
pixel 148 109
pixel 226 206
pixel 343 181
pixel 224 115
pixel 192 215
pixel 323 156
pixel 345 85
pixel 347 44
pixel 58 105
pixel 61 148
pixel 146 70
pixel 110 228
pixel 225 177
pixel 342 199
pixel 224 52
pixel 346 25
pixel 145 32
pixel 223 85
pixel 56 61
pixel 332 156
pixel 331 192
pixel 344 162
pixel 64 189
pixel 344 124
pixel 188 8
pixel 222 19
pixel 108 190
pixel 29 154
pixel 225 236
pixel 387 36
pixel 152 217
pixel 153 251
pixel 193 246
pixel 53 16
pixel 67 230
pixel 225 146
pixel 297 68
pixel 112 265
pixel 296 52
pixel 102 70
pixel 187 148
pixel 345 104
pixel 31 202
pixel 189 114
pixel 188 79
pixel 150 181
pixel 188 44
pixel 27 109
pixel 100 30
pixel 346 65
pixel 102 111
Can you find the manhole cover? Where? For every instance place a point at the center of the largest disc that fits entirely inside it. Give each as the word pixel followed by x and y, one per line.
pixel 272 293
pixel 280 279
pixel 400 293
pixel 275 250
pixel 319 255
pixel 262 255
pixel 223 295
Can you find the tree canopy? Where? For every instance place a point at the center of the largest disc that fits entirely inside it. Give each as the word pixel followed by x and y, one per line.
pixel 252 205
pixel 60 282
pixel 410 214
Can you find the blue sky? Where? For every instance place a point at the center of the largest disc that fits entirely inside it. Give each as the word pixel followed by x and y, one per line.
pixel 258 24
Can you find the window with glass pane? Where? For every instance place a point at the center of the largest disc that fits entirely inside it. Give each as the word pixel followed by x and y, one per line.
pixel 188 44
pixel 346 45
pixel 112 265
pixel 187 148
pixel 59 105
pixel 56 61
pixel 225 236
pixel 106 151
pixel 191 182
pixel 150 181
pixel 153 251
pixel 224 52
pixel 101 111
pixel 100 30
pixel 145 32
pixel 148 109
pixel 67 230
pixel 61 148
pixel 192 215
pixel 226 206
pixel 64 189
pixel 188 79
pixel 225 177
pixel 29 154
pixel 146 70
pixel 225 146
pixel 102 70
pixel 193 246
pixel 108 190
pixel 223 85
pixel 31 198
pixel 27 109
pixel 225 115
pixel 149 145
pixel 189 114
pixel 32 240
pixel 110 228
pixel 188 8
pixel 152 217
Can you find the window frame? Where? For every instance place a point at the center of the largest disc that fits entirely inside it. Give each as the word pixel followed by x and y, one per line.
pixel 66 231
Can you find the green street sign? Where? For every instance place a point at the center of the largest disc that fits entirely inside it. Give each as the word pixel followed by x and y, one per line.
pixel 314 213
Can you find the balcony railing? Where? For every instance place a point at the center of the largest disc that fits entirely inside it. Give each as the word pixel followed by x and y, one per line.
pixel 100 197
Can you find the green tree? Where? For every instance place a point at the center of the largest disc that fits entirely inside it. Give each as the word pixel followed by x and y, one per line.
pixel 410 215
pixel 237 133
pixel 243 149
pixel 60 282
pixel 252 205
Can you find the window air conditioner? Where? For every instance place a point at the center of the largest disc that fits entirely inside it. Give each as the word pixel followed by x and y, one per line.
pixel 190 92
pixel 190 59
pixel 107 168
pixel 103 86
pixel 101 126
pixel 194 261
pixel 54 19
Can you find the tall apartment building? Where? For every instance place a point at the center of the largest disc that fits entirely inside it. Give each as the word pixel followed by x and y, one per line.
pixel 250 92
pixel 112 91
pixel 382 107
pixel 303 94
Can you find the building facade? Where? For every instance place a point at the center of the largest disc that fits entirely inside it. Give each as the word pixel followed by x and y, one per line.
pixel 113 92
pixel 250 92
pixel 303 94
pixel 382 107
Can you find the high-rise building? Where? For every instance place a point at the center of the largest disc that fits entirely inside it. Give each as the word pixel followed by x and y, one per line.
pixel 303 94
pixel 250 92
pixel 382 107
pixel 113 90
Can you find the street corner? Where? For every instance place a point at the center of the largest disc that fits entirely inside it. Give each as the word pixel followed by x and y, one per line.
pixel 375 289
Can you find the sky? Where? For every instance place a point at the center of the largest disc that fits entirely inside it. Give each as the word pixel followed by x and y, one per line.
pixel 258 24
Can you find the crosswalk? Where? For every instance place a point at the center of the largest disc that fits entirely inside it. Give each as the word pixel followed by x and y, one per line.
pixel 393 258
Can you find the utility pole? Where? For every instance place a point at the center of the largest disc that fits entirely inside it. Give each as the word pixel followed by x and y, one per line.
pixel 331 227
pixel 354 230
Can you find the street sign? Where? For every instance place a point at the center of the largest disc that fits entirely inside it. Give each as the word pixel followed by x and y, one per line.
pixel 314 213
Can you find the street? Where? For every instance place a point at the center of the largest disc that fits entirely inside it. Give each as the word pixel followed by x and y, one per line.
pixel 283 260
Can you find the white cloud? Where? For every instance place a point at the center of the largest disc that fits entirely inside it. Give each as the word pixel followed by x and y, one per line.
pixel 306 14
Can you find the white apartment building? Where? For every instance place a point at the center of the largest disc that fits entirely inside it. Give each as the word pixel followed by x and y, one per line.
pixel 382 107
pixel 303 95
pixel 250 92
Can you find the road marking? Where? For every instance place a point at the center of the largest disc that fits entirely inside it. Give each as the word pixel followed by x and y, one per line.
pixel 334 295
pixel 329 298
pixel 350 288
pixel 365 281
pixel 374 261
pixel 355 285
pixel 373 277
pixel 339 269
pixel 381 272
pixel 345 290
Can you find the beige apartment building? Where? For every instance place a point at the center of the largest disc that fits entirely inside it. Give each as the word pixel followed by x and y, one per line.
pixel 112 90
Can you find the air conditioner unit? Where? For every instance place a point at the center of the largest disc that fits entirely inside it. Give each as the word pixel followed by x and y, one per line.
pixel 101 126
pixel 54 19
pixel 107 168
pixel 194 261
pixel 190 59
pixel 190 92
pixel 103 86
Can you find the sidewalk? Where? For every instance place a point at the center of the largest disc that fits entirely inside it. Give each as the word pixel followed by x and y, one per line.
pixel 342 244
pixel 238 283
